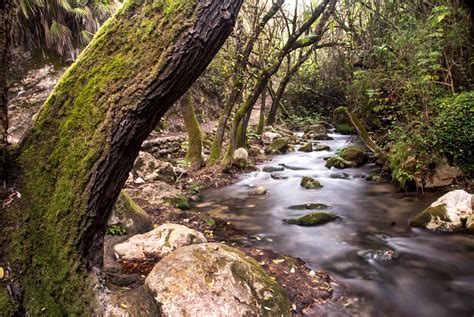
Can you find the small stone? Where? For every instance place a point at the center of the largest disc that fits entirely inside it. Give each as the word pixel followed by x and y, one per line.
pixel 308 147
pixel 322 147
pixel 278 176
pixel 260 190
pixel 313 219
pixel 271 169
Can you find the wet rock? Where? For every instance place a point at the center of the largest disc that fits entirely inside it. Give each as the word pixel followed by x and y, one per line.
pixel 260 190
pixel 268 137
pixel 322 147
pixel 355 154
pixel 309 206
pixel 339 176
pixel 293 168
pixel 378 255
pixel 449 213
pixel 214 280
pixel 310 183
pixel 151 169
pixel 278 176
pixel 313 219
pixel 128 215
pixel 278 146
pixel 271 169
pixel 308 147
pixel 158 242
pixel 240 158
pixel 339 162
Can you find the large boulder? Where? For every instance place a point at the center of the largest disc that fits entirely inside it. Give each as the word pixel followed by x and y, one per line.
pixel 355 154
pixel 214 280
pixel 450 212
pixel 339 162
pixel 158 242
pixel 128 215
pixel 151 169
pixel 444 175
pixel 310 183
pixel 317 129
pixel 340 116
pixel 278 146
pixel 157 193
pixel 240 158
pixel 313 219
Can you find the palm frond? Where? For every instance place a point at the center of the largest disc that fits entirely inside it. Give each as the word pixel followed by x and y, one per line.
pixel 59 33
pixel 64 4
pixel 86 37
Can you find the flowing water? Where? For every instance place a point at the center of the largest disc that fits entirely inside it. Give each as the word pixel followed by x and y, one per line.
pixel 433 274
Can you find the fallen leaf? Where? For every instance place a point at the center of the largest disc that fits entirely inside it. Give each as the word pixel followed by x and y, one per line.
pixel 278 261
pixel 124 305
pixel 292 269
pixel 2 273
pixel 293 306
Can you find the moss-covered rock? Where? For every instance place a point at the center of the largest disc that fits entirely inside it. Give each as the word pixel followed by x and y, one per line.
pixel 309 206
pixel 240 158
pixel 322 147
pixel 277 146
pixel 179 202
pixel 339 162
pixel 308 147
pixel 313 219
pixel 271 169
pixel 355 154
pixel 226 280
pixel 316 129
pixel 310 183
pixel 450 212
pixel 278 176
pixel 130 216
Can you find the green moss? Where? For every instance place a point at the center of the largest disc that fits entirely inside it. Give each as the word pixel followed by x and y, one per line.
pixel 7 306
pixel 344 128
pixel 310 183
pixel 194 153
pixel 430 214
pixel 71 138
pixel 338 162
pixel 354 154
pixel 308 147
pixel 313 219
pixel 280 145
pixel 180 203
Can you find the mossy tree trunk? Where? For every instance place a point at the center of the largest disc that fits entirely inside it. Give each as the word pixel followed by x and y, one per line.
pixel 6 10
pixel 261 121
pixel 74 161
pixel 323 10
pixel 194 155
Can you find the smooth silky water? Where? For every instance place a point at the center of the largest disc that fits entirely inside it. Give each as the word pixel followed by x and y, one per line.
pixel 433 275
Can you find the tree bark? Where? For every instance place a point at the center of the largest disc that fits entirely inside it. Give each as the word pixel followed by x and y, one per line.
pixel 5 40
pixel 261 121
pixel 74 161
pixel 194 155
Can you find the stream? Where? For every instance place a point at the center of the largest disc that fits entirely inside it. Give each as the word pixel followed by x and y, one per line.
pixel 433 274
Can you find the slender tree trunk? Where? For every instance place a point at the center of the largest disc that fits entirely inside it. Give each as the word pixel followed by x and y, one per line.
pixel 325 9
pixel 261 121
pixel 74 161
pixel 5 40
pixel 194 155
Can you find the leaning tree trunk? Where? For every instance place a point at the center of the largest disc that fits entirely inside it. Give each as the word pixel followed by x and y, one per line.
pixel 76 158
pixel 261 120
pixel 194 155
pixel 5 39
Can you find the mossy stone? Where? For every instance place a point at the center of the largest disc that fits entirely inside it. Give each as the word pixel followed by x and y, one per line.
pixel 313 219
pixel 308 147
pixel 279 145
pixel 310 183
pixel 322 147
pixel 129 215
pixel 355 154
pixel 339 162
pixel 429 215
